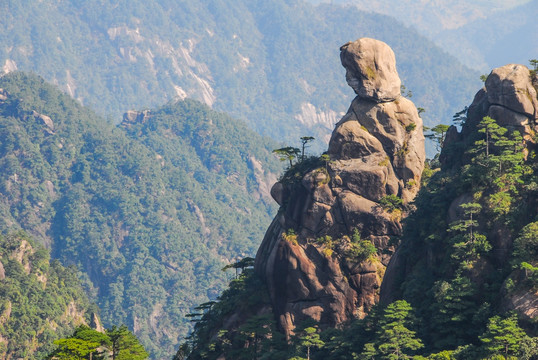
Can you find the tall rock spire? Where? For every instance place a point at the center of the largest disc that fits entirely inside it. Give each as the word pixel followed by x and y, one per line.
pixel 311 257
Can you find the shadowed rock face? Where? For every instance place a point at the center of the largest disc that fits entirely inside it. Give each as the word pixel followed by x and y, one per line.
pixel 377 149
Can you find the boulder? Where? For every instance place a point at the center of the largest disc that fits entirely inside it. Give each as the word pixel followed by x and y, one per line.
pixel 510 86
pixel 351 140
pixel 132 117
pixel 371 69
pixel 371 178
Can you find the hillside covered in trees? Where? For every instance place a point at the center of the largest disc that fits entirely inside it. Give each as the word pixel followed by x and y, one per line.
pixel 40 300
pixel 149 211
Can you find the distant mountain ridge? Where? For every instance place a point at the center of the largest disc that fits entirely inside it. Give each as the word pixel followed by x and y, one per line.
pixel 481 34
pixel 272 68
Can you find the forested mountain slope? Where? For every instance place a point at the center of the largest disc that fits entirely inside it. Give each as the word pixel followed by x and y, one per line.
pixel 268 62
pixel 40 300
pixel 481 34
pixel 149 210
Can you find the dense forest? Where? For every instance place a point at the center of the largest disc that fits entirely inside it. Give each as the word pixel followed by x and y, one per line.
pixel 40 300
pixel 149 211
pixel 277 68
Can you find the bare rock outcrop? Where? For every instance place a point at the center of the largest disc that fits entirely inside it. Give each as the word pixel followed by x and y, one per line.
pixel 376 150
pixel 133 117
pixel 510 98
pixel 371 69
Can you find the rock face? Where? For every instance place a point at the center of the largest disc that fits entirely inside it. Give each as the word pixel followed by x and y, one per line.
pixel 509 97
pixel 132 117
pixel 371 69
pixel 376 150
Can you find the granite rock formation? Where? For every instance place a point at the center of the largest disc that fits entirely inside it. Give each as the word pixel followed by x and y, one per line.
pixel 376 153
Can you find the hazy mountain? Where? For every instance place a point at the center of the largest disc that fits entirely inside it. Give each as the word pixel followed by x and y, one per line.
pixel 481 34
pixel 274 64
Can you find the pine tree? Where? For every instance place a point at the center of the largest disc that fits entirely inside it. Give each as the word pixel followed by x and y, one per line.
pixel 310 339
pixel 394 340
pixel 125 345
pixel 503 336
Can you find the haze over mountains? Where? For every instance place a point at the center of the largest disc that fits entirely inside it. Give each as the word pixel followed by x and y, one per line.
pixel 481 34
pixel 271 63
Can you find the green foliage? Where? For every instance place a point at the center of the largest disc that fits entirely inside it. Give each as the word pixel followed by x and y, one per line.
pixel 117 343
pixel 141 208
pixel 391 202
pixel 40 300
pixel 405 92
pixel 409 128
pixel 288 153
pixel 359 249
pixel 452 248
pixel 252 339
pixel 503 336
pixel 394 340
pixel 304 141
pixel 460 117
pixel 118 56
pixel 74 349
pixel 437 134
pixel 526 244
pixel 84 342
pixel 124 345
pixel 531 273
pixel 309 338
pixel 296 172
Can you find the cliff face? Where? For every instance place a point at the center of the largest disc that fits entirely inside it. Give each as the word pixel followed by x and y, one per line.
pixel 312 260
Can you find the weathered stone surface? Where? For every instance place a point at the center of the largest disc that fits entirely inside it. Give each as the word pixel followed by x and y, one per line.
pixel 46 121
pixel 350 140
pixel 132 117
pixel 377 149
pixel 371 69
pixel 511 119
pixel 392 131
pixel 525 303
pixel 510 98
pixel 510 86
pixel 2 272
pixel 371 177
pixel 277 193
